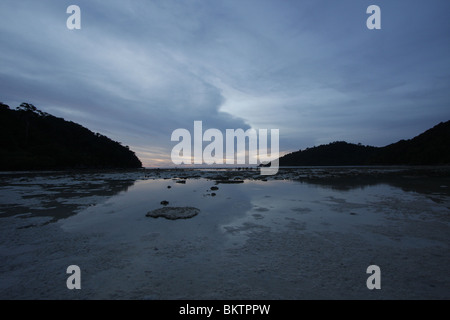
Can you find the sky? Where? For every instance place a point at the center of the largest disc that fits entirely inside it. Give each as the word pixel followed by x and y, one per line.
pixel 138 70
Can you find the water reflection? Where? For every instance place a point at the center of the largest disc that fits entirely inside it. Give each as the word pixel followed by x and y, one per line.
pixel 61 195
pixel 297 235
pixel 57 195
pixel 435 188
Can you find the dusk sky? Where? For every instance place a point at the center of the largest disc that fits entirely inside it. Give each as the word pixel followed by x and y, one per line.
pixel 138 70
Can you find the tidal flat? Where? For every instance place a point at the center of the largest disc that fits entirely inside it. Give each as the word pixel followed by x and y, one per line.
pixel 304 233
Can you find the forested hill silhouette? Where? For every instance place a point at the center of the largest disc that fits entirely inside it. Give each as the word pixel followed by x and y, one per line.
pixel 35 140
pixel 429 148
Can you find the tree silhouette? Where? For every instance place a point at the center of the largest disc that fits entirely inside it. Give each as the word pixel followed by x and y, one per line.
pixel 35 140
pixel 429 148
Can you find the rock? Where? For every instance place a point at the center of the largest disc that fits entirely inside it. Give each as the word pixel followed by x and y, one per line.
pixel 168 187
pixel 213 194
pixel 164 202
pixel 214 188
pixel 181 181
pixel 229 181
pixel 174 213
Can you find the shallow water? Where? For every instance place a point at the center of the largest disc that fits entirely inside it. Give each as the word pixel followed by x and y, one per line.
pixel 283 238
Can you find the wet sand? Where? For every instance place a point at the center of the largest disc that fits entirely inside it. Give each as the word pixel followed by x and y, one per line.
pixel 305 233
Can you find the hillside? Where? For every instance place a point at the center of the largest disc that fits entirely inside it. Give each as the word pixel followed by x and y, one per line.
pixel 337 153
pixel 35 140
pixel 429 148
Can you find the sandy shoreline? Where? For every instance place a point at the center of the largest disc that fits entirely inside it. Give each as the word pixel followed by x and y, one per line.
pixel 302 234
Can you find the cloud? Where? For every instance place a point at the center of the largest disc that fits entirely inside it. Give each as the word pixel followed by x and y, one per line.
pixel 138 70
